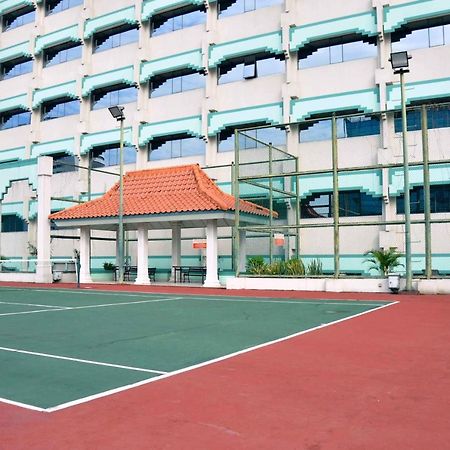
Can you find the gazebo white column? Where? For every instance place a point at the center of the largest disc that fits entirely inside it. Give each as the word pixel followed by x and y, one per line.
pixel 85 255
pixel 142 255
pixel 44 192
pixel 242 250
pixel 176 246
pixel 212 279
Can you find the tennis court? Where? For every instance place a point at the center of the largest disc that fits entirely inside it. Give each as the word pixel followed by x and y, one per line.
pixel 60 348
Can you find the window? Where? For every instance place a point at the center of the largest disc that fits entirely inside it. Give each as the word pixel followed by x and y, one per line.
pixel 175 147
pixel 178 19
pixel 333 54
pixel 109 155
pixel 61 54
pixel 275 136
pixel 18 18
pixel 250 67
pixel 54 6
pixel 351 203
pixel 113 95
pixel 13 119
pixel 168 84
pixel 60 108
pixel 439 200
pixel 438 117
pixel 232 7
pixel 346 128
pixel 115 37
pixel 278 205
pixel 63 162
pixel 13 224
pixel 421 38
pixel 16 68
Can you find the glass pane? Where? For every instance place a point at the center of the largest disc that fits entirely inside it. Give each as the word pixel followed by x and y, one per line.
pixel 270 66
pixel 319 131
pixel 192 146
pixel 436 36
pixel 320 57
pixel 447 34
pixel 417 39
pixel 235 74
pixel 193 81
pixel 358 50
pixel 336 54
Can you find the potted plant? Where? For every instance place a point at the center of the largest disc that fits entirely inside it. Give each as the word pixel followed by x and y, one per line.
pixel 385 261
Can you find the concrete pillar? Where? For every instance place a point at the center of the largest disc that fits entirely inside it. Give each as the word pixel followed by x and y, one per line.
pixel 142 255
pixel 176 247
pixel 44 192
pixel 212 279
pixel 85 255
pixel 242 250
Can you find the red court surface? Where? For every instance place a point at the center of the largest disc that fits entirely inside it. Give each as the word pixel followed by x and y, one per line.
pixel 378 381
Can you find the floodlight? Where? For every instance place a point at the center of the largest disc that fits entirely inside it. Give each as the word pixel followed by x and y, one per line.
pixel 117 112
pixel 400 62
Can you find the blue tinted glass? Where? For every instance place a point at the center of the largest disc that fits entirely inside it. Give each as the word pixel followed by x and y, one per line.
pixel 116 40
pixel 358 50
pixel 240 6
pixel 438 117
pixel 320 57
pixel 234 74
pixel 177 148
pixel 178 22
pixel 179 84
pixel 273 135
pixel 17 21
pixel 61 5
pixel 111 156
pixel 269 66
pixel 439 200
pixel 16 120
pixel 61 110
pixel 111 98
pixel 11 223
pixel 361 126
pixel 414 40
pixel 10 71
pixel 62 56
pixel 318 131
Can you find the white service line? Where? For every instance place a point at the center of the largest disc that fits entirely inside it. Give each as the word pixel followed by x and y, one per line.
pixel 206 363
pixel 22 405
pixel 31 304
pixel 317 302
pixel 104 305
pixel 85 361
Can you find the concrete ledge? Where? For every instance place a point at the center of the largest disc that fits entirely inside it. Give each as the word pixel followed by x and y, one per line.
pixel 21 277
pixel 434 286
pixel 313 284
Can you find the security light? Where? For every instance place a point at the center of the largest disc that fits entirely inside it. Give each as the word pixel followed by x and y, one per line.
pixel 400 62
pixel 117 112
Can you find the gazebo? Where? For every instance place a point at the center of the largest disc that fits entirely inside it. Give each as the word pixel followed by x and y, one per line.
pixel 163 198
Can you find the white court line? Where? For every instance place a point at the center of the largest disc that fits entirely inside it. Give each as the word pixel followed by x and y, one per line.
pixel 206 363
pixel 31 304
pixel 317 302
pixel 104 305
pixel 85 361
pixel 22 405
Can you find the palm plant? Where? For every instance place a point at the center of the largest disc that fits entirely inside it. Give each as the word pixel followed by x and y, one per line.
pixel 384 260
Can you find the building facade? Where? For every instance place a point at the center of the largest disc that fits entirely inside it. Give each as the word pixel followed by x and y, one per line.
pixel 189 72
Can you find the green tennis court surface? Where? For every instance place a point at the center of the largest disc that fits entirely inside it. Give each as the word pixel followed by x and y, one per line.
pixel 59 348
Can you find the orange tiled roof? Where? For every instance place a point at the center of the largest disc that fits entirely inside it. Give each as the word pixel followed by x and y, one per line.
pixel 165 190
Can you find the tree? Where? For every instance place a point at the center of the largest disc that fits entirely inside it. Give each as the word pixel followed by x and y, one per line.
pixel 384 260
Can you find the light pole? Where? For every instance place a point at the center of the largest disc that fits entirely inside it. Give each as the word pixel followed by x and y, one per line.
pixel 400 65
pixel 117 113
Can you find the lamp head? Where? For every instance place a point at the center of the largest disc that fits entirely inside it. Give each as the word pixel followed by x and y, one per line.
pixel 400 62
pixel 117 112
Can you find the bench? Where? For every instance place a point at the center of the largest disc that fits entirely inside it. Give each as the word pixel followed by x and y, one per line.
pixel 131 271
pixel 194 272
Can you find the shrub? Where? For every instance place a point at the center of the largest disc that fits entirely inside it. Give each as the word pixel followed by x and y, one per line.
pixel 295 266
pixel 256 265
pixel 384 260
pixel 315 267
pixel 109 266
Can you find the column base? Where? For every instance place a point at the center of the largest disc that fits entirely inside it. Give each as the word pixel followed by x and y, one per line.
pixel 212 283
pixel 85 279
pixel 44 273
pixel 144 281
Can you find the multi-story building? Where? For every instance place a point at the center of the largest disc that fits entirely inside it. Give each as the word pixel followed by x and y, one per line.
pixel 189 72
